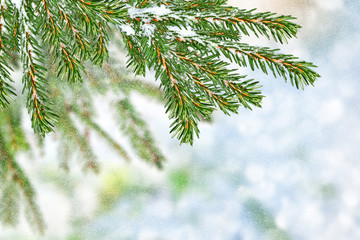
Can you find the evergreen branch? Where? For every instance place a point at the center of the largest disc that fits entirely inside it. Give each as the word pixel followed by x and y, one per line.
pixel 13 26
pixel 93 25
pixel 287 66
pixel 83 46
pixel 219 85
pixel 215 16
pixel 137 60
pixel 186 106
pixel 217 34
pixel 221 101
pixel 5 156
pixel 116 146
pixel 185 122
pixel 262 23
pixel 10 122
pixel 190 101
pixel 9 21
pixel 167 76
pixel 9 196
pixel 96 82
pixel 7 91
pixel 128 85
pixel 246 91
pixel 183 41
pixel 138 133
pixel 33 213
pixel 17 135
pixel 64 152
pixel 42 116
pixel 69 64
pixel 72 132
pixel 9 204
pixel 10 171
pixel 223 83
pixel 183 44
pixel 107 10
pixel 68 128
pixel 95 29
pixel 101 54
pixel 12 134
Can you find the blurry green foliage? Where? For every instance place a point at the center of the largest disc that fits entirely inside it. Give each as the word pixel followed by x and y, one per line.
pixel 264 220
pixel 180 180
pixel 75 102
pixel 114 183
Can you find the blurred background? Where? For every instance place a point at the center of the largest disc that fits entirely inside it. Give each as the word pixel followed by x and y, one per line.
pixel 287 171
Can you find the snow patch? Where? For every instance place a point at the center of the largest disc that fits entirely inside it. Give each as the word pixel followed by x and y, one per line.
pixel 184 32
pixel 17 3
pixel 143 12
pixel 148 29
pixel 127 29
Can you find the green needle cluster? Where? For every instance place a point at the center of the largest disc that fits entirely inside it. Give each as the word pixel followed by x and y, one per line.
pixel 184 42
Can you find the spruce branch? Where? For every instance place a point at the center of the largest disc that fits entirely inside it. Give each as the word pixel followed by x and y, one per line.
pixel 101 53
pixel 69 129
pixel 267 24
pixel 128 85
pixel 184 42
pixel 69 64
pixel 42 116
pixel 189 44
pixel 284 65
pixel 138 133
pixel 76 33
pixel 9 204
pixel 73 101
pixel 7 91
pixel 16 181
pixel 115 145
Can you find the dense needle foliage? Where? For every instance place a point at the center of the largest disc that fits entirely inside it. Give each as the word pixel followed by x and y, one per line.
pixel 182 41
pixel 189 44
pixel 75 132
